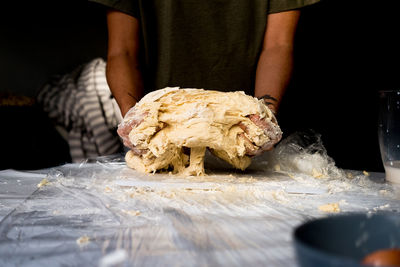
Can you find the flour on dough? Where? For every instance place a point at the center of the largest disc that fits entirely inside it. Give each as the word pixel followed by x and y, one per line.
pixel 178 125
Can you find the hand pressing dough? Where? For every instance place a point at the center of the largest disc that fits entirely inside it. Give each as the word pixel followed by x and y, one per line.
pixel 172 127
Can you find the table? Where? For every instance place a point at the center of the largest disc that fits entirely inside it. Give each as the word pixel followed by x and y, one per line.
pixel 101 213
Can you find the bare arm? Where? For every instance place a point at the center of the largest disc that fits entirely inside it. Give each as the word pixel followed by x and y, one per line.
pixel 123 71
pixel 276 59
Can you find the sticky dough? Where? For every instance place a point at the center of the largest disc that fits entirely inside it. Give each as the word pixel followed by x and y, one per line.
pixel 177 125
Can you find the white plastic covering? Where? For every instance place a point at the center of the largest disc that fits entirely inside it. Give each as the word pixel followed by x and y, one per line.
pixel 104 214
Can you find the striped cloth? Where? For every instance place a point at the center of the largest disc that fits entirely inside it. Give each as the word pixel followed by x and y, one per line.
pixel 81 103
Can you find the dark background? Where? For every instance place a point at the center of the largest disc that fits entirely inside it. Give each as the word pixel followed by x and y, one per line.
pixel 345 52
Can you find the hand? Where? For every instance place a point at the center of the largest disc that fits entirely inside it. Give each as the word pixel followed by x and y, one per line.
pixel 269 129
pixel 132 119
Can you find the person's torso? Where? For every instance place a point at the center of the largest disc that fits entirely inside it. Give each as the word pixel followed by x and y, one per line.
pixel 210 44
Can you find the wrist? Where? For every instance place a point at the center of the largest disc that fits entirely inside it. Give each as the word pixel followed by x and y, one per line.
pixel 126 102
pixel 270 101
pixel 125 107
pixel 272 107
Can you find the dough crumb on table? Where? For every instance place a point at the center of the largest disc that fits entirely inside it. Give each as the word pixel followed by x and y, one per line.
pixel 331 208
pixel 42 183
pixel 83 240
pixel 131 212
pixel 171 128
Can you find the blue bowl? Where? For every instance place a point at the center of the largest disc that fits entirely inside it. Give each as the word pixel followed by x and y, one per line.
pixel 344 240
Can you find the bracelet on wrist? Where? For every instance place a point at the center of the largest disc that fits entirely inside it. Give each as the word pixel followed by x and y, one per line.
pixel 268 97
pixel 270 102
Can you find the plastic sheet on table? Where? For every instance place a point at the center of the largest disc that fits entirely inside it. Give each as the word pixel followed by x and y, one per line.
pixel 101 213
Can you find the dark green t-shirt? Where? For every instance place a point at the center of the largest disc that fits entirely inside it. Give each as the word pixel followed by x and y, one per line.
pixel 210 44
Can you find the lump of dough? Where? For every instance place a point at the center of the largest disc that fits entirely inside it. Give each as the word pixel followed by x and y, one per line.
pixel 173 127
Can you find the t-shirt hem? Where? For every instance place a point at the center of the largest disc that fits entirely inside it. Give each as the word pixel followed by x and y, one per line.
pixel 111 4
pixel 292 6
